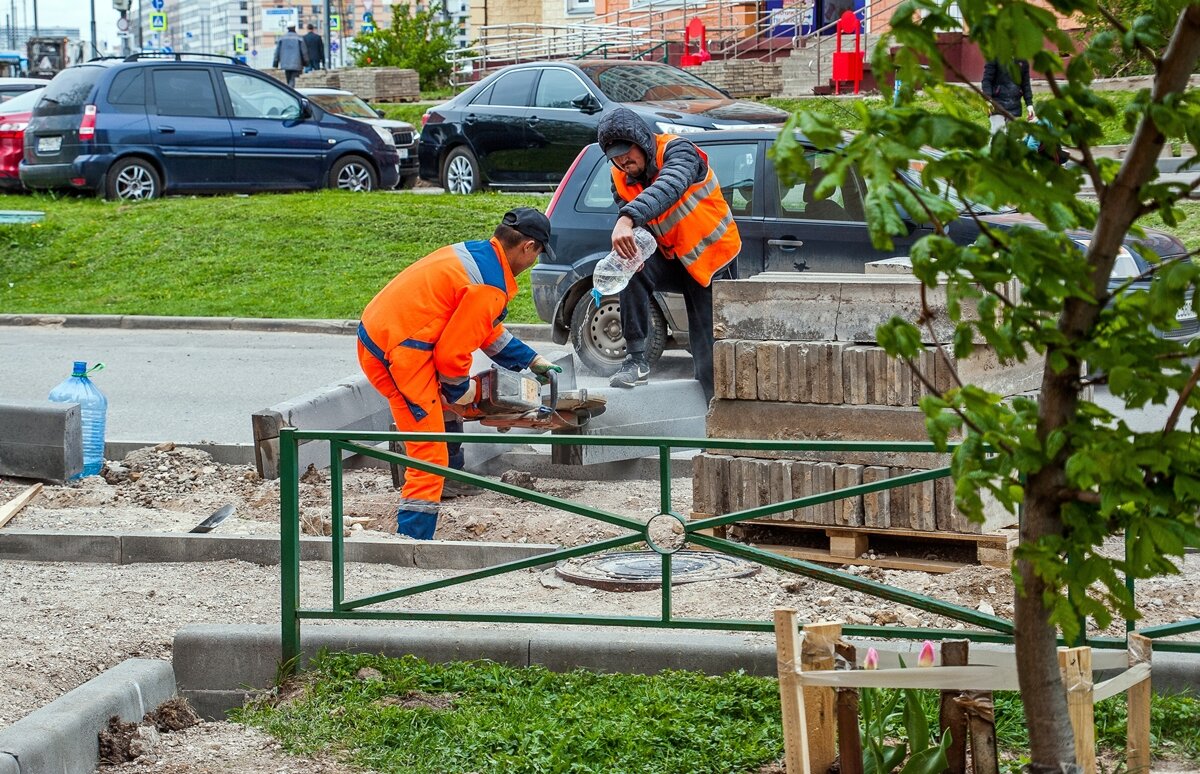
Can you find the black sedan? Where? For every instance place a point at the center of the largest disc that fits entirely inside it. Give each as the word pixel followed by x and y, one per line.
pixel 783 228
pixel 521 127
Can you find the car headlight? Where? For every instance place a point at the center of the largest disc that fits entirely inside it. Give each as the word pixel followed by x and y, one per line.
pixel 385 135
pixel 669 128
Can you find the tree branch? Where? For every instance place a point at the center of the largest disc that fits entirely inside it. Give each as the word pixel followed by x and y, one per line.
pixel 1184 394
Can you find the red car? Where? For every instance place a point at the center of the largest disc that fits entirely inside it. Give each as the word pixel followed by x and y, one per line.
pixel 14 117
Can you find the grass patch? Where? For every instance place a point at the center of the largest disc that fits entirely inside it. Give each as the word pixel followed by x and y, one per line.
pixel 405 111
pixel 314 255
pixel 424 718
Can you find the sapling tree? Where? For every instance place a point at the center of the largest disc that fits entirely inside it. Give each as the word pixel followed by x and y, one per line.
pixel 1081 474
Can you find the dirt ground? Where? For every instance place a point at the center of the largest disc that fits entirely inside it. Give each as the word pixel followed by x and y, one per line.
pixel 63 624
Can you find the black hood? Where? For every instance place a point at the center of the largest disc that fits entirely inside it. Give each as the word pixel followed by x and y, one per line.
pixel 624 125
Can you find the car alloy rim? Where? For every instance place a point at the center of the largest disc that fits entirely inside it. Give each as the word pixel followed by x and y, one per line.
pixel 604 331
pixel 135 182
pixel 354 177
pixel 460 177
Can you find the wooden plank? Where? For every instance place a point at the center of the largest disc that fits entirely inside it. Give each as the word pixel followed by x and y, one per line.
pixel 817 653
pixel 1004 539
pixel 951 717
pixel 948 678
pixel 1075 664
pixel 887 562
pixel 1137 734
pixel 14 506
pixel 1121 683
pixel 850 545
pixel 791 696
pixel 848 738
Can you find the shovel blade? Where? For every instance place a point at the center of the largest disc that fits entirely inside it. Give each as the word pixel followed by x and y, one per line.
pixel 218 516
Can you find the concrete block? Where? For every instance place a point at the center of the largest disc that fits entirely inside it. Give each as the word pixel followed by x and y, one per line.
pixel 779 473
pixel 724 371
pixel 36 546
pixel 745 370
pixel 793 377
pixel 848 511
pixel 876 506
pixel 747 478
pixel 770 354
pixel 42 440
pixel 766 493
pixel 62 736
pixel 469 555
pixel 215 705
pixel 8 764
pixel 767 420
pixel 563 651
pixel 673 408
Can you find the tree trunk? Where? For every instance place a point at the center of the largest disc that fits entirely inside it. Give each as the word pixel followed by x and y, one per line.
pixel 1051 741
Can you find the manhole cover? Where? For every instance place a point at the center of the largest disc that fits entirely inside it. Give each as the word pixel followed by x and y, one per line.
pixel 642 570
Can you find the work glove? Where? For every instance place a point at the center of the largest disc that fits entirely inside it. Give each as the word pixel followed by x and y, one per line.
pixel 541 367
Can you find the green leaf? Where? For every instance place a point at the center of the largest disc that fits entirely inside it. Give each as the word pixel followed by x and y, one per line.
pixel 931 760
pixel 915 722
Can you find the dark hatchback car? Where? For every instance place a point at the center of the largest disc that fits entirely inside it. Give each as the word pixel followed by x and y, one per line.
pixel 782 227
pixel 522 126
pixel 144 126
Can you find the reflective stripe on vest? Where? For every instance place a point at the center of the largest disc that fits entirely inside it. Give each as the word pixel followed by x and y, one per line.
pixel 481 263
pixel 698 229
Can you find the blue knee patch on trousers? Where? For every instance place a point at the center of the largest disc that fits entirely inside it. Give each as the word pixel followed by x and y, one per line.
pixel 416 524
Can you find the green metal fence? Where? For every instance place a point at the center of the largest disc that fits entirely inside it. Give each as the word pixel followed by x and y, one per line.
pixel 990 628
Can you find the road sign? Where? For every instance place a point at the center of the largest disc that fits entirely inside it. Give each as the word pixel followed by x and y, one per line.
pixel 366 27
pixel 158 22
pixel 277 20
pixel 335 21
pixel 123 24
pixel 368 17
pixel 168 50
pixel 333 47
pixel 156 4
pixel 239 43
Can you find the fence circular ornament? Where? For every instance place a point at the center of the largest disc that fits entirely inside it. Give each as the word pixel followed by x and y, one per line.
pixel 642 570
pixel 665 533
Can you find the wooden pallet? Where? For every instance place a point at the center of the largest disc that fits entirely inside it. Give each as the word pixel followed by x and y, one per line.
pixel 846 545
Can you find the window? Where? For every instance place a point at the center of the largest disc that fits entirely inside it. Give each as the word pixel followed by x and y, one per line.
pixel 513 89
pixel 254 97
pixel 580 6
pixel 734 164
pixel 483 97
pixel 128 91
pixel 184 93
pixel 69 90
pixel 800 203
pixel 598 195
pixel 558 88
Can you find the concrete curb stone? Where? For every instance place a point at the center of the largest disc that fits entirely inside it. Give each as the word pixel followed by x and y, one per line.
pixel 62 736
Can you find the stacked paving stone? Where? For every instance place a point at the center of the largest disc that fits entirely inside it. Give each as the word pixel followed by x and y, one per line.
pixel 382 84
pixel 320 79
pixel 795 359
pixel 743 77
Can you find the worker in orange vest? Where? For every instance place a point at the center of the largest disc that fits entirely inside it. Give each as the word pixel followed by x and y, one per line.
pixel 418 336
pixel 663 183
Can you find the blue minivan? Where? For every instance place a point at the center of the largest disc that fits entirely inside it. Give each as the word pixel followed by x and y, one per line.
pixel 148 125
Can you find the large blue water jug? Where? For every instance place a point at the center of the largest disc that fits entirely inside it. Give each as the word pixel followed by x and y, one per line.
pixel 93 408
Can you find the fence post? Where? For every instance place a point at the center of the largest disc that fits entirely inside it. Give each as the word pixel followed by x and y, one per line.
pixel 1137 740
pixel 951 716
pixel 289 549
pixel 848 738
pixel 820 703
pixel 1075 664
pixel 791 696
pixel 981 714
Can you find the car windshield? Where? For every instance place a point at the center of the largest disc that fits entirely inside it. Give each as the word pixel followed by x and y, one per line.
pixel 22 103
pixel 344 105
pixel 632 83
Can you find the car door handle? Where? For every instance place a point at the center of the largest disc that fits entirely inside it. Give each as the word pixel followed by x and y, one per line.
pixel 470 119
pixel 166 129
pixel 785 244
pixel 249 132
pixel 532 120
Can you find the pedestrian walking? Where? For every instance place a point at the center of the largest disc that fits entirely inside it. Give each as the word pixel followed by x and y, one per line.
pixel 314 46
pixel 290 55
pixel 1004 93
pixel 664 184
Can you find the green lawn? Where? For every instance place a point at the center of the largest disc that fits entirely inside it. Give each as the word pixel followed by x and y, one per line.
pixel 319 255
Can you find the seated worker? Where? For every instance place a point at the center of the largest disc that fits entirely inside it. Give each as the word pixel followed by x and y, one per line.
pixel 418 336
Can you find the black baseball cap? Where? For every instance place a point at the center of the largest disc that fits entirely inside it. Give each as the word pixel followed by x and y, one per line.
pixel 533 224
pixel 618 149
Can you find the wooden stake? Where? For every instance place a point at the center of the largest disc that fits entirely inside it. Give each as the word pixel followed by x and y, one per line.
pixel 791 696
pixel 14 506
pixel 1075 664
pixel 981 712
pixel 817 653
pixel 848 737
pixel 951 717
pixel 1137 740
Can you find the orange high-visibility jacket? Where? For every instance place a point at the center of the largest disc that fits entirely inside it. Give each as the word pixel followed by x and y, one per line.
pixel 444 307
pixel 698 229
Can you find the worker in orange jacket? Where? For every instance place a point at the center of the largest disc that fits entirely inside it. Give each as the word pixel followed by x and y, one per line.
pixel 417 338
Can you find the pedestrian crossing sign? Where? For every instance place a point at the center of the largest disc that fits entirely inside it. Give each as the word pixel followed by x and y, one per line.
pixel 158 22
pixel 335 21
pixel 239 43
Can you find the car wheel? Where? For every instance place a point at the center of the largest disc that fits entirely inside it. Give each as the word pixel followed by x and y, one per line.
pixel 353 173
pixel 597 337
pixel 132 180
pixel 460 173
pixel 407 182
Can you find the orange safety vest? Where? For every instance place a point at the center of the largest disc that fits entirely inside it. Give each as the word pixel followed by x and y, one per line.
pixel 698 229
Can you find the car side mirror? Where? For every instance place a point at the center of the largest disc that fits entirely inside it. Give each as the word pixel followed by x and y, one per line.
pixel 306 110
pixel 380 113
pixel 587 103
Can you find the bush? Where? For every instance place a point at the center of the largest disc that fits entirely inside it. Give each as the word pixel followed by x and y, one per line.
pixel 417 41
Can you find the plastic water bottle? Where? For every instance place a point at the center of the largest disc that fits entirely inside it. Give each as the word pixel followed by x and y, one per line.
pixel 93 407
pixel 614 270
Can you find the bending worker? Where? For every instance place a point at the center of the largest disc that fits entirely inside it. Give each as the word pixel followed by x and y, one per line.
pixel 664 183
pixel 418 335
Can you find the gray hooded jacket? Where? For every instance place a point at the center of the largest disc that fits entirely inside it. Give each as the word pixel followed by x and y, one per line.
pixel 682 166
pixel 290 53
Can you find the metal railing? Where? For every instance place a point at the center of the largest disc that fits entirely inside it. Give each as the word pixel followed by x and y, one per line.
pixel 990 627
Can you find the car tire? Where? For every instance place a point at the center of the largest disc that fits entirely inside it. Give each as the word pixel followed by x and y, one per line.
pixel 131 180
pixel 408 182
pixel 597 338
pixel 353 173
pixel 460 172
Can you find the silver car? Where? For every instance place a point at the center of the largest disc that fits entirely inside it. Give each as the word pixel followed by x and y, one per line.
pixel 346 103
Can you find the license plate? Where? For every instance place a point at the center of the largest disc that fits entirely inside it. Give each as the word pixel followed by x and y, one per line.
pixel 403 152
pixel 49 144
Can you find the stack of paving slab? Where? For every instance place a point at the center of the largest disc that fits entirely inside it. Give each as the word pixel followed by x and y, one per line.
pixel 381 84
pixel 795 358
pixel 320 79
